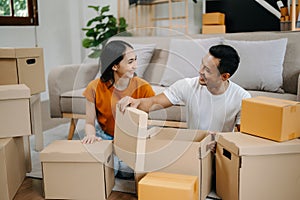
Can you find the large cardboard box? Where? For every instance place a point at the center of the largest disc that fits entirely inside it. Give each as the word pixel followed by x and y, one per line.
pixel 15 110
pixel 214 18
pixel 271 118
pixel 23 65
pixel 167 186
pixel 249 167
pixel 12 166
pixel 213 29
pixel 72 170
pixel 171 150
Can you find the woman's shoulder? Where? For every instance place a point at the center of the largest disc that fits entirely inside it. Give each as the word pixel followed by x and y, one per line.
pixel 96 83
pixel 140 80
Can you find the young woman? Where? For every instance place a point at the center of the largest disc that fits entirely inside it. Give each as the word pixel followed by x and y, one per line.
pixel 118 64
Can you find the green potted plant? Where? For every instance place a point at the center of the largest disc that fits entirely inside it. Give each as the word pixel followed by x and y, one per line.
pixel 100 28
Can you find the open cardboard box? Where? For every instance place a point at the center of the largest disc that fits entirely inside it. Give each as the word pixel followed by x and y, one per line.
pixel 249 167
pixel 72 170
pixel 15 110
pixel 181 151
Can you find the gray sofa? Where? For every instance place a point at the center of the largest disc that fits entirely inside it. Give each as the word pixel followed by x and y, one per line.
pixel 67 82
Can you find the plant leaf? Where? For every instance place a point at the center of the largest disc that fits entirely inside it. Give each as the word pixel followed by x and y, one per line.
pixel 94 7
pixel 86 42
pixel 95 54
pixel 104 9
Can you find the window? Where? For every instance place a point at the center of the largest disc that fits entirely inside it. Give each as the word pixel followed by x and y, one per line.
pixel 18 12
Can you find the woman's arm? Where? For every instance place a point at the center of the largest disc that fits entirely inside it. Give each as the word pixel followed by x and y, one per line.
pixel 90 129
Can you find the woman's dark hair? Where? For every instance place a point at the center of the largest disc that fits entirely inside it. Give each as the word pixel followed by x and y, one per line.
pixel 112 54
pixel 229 58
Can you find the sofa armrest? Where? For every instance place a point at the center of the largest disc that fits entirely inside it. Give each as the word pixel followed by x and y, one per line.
pixel 66 78
pixel 298 90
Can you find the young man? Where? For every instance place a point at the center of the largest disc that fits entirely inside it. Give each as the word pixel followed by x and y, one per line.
pixel 213 102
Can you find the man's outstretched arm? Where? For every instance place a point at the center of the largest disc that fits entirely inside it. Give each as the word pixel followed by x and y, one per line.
pixel 146 104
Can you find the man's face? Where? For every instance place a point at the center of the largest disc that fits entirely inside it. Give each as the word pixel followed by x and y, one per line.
pixel 209 73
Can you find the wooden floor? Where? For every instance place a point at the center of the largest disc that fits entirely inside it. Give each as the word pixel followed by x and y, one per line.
pixel 32 189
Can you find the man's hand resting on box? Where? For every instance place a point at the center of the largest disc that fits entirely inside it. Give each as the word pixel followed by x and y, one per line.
pixel 128 101
pixel 212 145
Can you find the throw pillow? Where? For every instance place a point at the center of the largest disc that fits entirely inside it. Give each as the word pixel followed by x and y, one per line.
pixel 144 54
pixel 185 58
pixel 261 64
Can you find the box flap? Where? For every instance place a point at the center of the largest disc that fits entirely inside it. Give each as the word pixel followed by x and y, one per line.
pixel 16 91
pixel 244 144
pixel 75 151
pixel 176 134
pixel 4 142
pixel 272 101
pixel 20 52
pixel 130 134
pixel 178 147
pixel 187 135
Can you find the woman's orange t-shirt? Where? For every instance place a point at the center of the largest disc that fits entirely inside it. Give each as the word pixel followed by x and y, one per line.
pixel 105 99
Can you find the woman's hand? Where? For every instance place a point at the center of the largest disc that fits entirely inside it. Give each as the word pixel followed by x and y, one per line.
pixel 89 139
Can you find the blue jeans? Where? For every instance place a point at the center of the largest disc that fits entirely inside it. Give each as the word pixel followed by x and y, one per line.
pixel 120 167
pixel 100 133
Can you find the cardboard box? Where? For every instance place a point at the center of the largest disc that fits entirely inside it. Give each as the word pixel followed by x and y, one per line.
pixel 249 167
pixel 171 150
pixel 271 118
pixel 23 66
pixel 214 18
pixel 213 29
pixel 167 186
pixel 15 110
pixel 12 166
pixel 72 170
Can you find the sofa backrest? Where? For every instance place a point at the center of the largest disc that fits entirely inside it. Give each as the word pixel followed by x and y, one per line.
pixel 291 66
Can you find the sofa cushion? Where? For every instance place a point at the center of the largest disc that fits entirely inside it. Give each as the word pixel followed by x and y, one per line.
pixel 144 54
pixel 286 96
pixel 73 102
pixel 261 64
pixel 185 57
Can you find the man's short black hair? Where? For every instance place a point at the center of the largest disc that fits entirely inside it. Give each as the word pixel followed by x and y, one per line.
pixel 229 58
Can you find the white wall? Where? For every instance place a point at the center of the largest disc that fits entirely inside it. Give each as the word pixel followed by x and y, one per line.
pixel 59 32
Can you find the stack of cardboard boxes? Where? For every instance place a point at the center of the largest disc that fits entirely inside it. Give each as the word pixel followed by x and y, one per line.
pixel 213 23
pixel 15 123
pixel 21 75
pixel 263 161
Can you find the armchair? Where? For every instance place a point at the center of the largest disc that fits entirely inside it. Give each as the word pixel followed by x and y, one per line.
pixel 66 84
